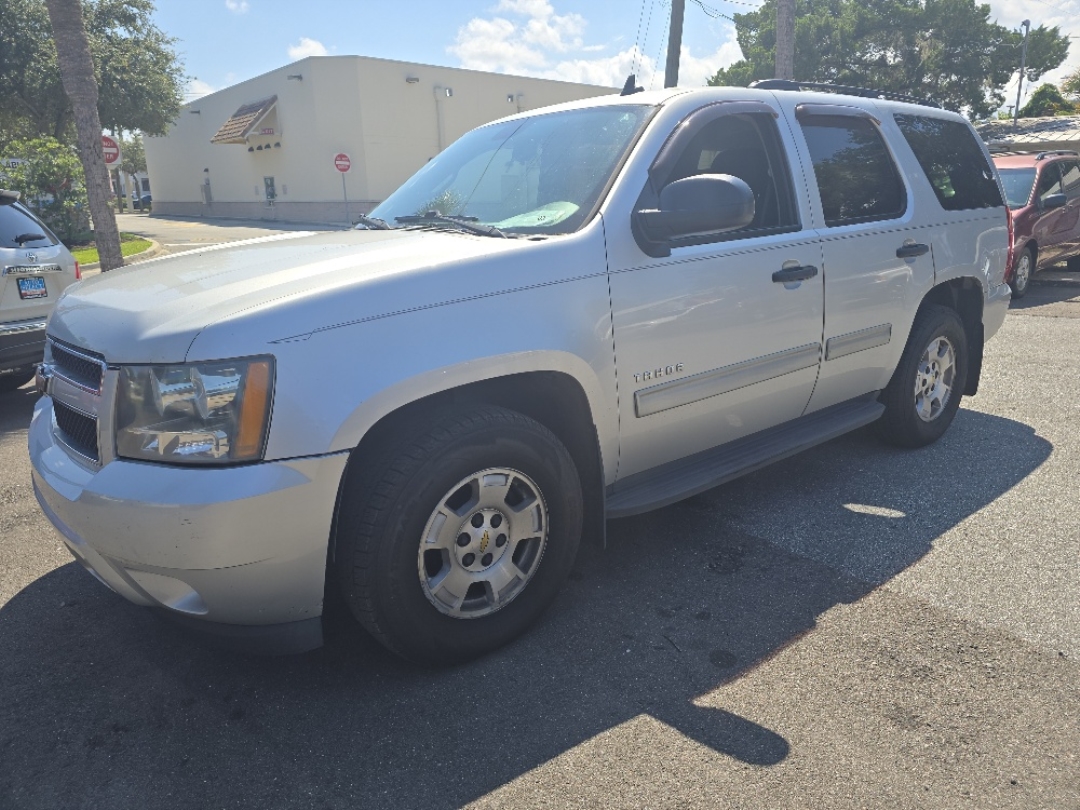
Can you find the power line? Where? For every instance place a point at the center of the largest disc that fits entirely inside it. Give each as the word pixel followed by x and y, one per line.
pixel 637 37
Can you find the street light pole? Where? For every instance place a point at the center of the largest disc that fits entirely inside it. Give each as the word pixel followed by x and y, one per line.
pixel 674 48
pixel 785 39
pixel 1023 63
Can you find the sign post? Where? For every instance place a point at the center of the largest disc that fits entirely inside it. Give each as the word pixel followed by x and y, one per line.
pixel 111 149
pixel 343 163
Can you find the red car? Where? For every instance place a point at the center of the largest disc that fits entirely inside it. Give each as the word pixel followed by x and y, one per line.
pixel 1043 193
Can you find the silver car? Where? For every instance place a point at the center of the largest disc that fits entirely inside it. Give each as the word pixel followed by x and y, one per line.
pixel 35 268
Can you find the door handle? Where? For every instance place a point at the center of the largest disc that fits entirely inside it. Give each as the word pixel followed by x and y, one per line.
pixel 911 250
pixel 790 274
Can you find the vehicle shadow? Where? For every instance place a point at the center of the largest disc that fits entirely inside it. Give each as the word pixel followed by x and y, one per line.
pixel 100 702
pixel 16 408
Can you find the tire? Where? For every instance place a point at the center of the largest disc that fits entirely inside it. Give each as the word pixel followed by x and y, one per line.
pixel 15 380
pixel 1025 269
pixel 483 475
pixel 922 398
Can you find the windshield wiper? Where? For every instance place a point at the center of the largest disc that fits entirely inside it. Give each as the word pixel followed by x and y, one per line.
pixel 29 237
pixel 467 224
pixel 374 223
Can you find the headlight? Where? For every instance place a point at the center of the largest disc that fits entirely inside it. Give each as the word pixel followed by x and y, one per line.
pixel 203 413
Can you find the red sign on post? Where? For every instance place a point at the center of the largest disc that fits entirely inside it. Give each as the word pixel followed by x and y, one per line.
pixel 342 162
pixel 111 149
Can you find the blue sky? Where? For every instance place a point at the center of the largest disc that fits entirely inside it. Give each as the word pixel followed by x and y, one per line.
pixel 596 41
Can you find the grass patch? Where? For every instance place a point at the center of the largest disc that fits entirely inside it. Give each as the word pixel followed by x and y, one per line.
pixel 130 244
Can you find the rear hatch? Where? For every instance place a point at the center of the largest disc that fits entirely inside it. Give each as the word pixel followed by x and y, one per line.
pixel 34 266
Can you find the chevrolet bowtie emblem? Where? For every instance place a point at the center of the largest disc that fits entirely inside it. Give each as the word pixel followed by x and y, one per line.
pixel 484 541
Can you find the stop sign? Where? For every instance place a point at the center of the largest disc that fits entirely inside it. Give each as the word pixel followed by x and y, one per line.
pixel 342 162
pixel 111 149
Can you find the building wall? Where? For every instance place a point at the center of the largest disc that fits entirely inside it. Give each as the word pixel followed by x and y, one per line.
pixel 368 108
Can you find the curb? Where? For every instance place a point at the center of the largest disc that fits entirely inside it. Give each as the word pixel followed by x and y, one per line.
pixel 155 249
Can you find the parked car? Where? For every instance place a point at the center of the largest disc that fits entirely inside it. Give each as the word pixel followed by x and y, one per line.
pixel 142 201
pixel 575 313
pixel 34 269
pixel 1042 190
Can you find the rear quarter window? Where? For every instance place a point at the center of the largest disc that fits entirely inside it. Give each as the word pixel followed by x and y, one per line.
pixel 952 161
pixel 17 225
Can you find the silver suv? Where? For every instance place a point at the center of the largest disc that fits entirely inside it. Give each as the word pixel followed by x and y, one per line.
pixel 575 313
pixel 34 269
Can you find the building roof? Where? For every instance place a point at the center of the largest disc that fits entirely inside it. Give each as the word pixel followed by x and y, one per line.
pixel 1057 132
pixel 243 121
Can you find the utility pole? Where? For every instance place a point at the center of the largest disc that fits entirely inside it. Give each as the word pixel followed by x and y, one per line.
pixel 785 39
pixel 1023 63
pixel 674 43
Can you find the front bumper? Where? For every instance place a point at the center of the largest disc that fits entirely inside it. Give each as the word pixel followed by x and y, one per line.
pixel 22 344
pixel 238 546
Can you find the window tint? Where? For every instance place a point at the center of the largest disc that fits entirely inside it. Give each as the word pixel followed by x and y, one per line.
pixel 16 221
pixel 746 146
pixel 1017 183
pixel 855 174
pixel 1049 182
pixel 1070 178
pixel 953 162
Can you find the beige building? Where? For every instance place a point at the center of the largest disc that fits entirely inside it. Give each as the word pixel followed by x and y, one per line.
pixel 265 148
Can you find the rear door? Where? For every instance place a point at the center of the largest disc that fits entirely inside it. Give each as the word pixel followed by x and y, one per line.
pixel 875 251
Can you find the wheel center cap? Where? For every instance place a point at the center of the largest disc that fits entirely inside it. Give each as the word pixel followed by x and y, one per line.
pixel 482 539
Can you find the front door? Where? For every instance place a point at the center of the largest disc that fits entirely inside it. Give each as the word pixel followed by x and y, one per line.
pixel 709 346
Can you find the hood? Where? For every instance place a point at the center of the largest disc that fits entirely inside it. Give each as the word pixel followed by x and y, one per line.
pixel 151 312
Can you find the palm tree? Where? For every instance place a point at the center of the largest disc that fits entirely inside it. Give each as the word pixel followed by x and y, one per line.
pixel 77 73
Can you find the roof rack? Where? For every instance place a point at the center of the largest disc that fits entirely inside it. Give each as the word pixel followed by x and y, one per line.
pixel 1056 152
pixel 865 92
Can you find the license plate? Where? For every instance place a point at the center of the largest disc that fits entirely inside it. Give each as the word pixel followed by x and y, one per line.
pixel 32 288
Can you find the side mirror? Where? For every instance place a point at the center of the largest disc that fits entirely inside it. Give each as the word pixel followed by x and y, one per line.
pixel 702 204
pixel 1052 201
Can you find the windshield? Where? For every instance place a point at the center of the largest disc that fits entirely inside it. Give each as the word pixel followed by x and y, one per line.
pixel 1017 184
pixel 543 174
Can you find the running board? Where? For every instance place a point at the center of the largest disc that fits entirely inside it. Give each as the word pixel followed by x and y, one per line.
pixel 688 476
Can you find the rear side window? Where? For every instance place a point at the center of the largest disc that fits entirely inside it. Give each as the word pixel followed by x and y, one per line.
pixel 18 226
pixel 952 161
pixel 855 174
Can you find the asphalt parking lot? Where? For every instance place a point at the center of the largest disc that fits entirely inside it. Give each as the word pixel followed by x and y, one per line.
pixel 856 627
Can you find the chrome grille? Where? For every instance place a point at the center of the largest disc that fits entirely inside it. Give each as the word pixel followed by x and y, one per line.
pixel 77 430
pixel 82 368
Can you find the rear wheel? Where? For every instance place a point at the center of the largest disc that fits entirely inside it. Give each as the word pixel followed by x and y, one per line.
pixel 1025 269
pixel 925 391
pixel 461 536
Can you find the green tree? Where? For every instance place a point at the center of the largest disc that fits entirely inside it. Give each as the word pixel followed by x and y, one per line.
pixel 1070 85
pixel 1046 100
pixel 948 50
pixel 49 175
pixel 139 76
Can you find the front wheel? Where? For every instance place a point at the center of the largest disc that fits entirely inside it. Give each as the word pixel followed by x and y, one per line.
pixel 925 391
pixel 1025 269
pixel 461 537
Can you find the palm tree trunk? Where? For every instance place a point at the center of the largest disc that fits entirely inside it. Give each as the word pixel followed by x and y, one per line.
pixel 77 72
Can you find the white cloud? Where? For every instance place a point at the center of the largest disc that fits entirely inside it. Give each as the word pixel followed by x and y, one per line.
pixel 237 6
pixel 197 88
pixel 307 47
pixel 1062 13
pixel 529 37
